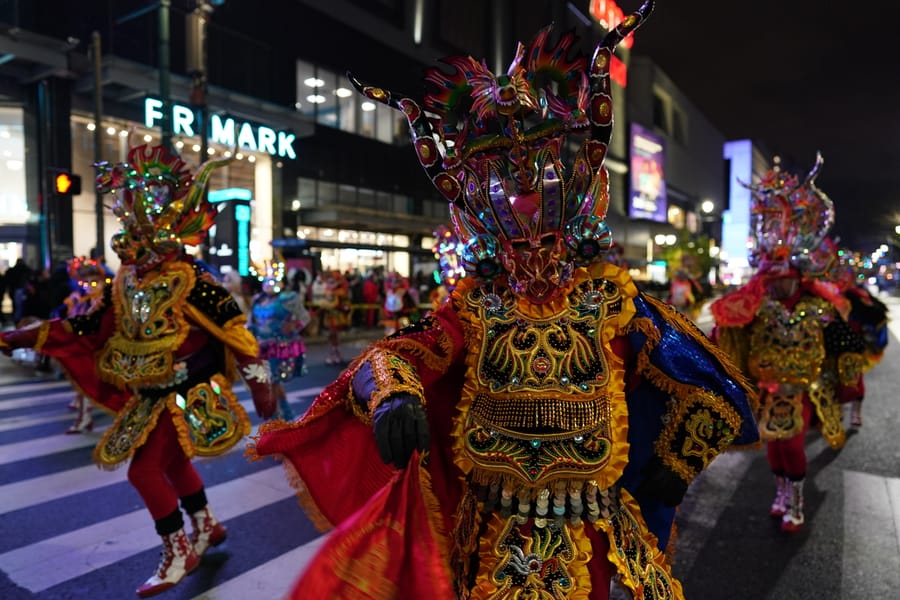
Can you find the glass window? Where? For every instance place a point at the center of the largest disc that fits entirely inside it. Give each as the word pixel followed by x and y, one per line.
pixel 13 203
pixel 306 192
pixel 348 104
pixel 660 115
pixel 306 80
pixel 327 194
pixel 367 121
pixel 384 130
pixel 679 126
pixel 325 98
pixel 347 195
pixel 366 198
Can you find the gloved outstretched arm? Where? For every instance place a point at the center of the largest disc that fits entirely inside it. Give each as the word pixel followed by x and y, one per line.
pixel 386 389
pixel 256 374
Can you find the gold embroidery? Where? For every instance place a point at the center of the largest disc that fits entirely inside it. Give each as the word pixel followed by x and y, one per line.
pixel 393 375
pixel 210 416
pixel 828 409
pixel 780 415
pixel 537 563
pixel 558 373
pixel 850 365
pixel 633 549
pixel 150 324
pixel 698 427
pixel 129 431
pixel 788 346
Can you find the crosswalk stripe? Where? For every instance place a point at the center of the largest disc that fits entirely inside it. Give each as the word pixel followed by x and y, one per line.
pixel 268 579
pixel 52 561
pixel 14 423
pixel 31 388
pixel 33 399
pixel 15 451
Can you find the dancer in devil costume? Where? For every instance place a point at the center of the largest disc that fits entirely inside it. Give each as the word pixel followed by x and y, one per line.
pixel 787 329
pixel 538 429
pixel 161 350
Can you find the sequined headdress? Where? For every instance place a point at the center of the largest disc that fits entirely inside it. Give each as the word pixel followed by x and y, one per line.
pixel 270 273
pixel 790 219
pixel 447 250
pixel 492 145
pixel 160 206
pixel 87 273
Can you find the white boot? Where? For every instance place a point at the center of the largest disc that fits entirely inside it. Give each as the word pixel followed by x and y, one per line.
pixel 856 413
pixel 178 558
pixel 782 497
pixel 792 521
pixel 207 531
pixel 84 421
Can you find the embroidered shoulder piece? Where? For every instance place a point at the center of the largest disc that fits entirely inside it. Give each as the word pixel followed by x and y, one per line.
pixel 393 375
pixel 699 428
pixel 212 299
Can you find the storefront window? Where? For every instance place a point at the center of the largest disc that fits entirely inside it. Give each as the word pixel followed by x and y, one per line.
pixel 13 203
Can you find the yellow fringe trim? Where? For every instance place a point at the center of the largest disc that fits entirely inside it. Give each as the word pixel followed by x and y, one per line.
pixel 181 426
pixel 233 334
pixel 304 498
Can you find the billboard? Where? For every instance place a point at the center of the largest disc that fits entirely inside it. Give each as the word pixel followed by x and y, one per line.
pixel 647 199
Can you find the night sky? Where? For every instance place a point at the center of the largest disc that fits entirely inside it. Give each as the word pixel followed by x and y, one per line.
pixel 797 76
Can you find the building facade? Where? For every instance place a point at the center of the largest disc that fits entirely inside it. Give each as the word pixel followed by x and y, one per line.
pixel 328 178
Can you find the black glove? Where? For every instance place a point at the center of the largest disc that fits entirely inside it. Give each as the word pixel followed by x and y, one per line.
pixel 662 483
pixel 401 426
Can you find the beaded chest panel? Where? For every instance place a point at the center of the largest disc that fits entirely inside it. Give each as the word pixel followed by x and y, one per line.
pixel 788 346
pixel 151 325
pixel 541 388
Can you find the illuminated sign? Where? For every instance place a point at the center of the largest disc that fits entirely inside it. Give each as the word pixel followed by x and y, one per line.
pixel 648 180
pixel 608 14
pixel 224 130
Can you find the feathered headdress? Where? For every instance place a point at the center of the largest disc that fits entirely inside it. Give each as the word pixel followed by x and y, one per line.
pixel 160 205
pixel 492 143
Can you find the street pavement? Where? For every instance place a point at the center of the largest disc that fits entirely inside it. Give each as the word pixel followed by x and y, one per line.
pixel 70 530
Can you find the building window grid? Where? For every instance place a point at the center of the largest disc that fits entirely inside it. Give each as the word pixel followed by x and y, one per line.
pixel 329 100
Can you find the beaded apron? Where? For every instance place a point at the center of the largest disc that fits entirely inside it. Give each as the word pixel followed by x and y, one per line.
pixel 542 442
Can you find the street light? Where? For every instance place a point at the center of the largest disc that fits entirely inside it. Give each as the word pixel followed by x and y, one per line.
pixel 707 207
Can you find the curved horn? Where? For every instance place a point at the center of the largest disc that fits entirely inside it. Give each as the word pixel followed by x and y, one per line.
pixel 601 105
pixel 814 172
pixel 423 136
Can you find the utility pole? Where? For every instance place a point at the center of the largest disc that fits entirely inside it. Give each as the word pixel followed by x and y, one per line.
pixel 197 67
pixel 164 85
pixel 98 139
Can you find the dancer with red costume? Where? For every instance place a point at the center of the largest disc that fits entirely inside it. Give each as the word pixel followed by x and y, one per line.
pixel 161 349
pixel 537 430
pixel 787 329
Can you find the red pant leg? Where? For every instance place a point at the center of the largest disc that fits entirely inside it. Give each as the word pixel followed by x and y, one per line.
pixel 789 456
pixel 161 472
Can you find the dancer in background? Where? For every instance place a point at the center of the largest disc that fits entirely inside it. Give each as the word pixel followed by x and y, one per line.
pixel 335 307
pixel 277 318
pixel 537 430
pixel 787 329
pixel 161 350
pixel 90 278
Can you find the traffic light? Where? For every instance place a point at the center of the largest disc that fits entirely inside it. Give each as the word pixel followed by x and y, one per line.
pixel 66 184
